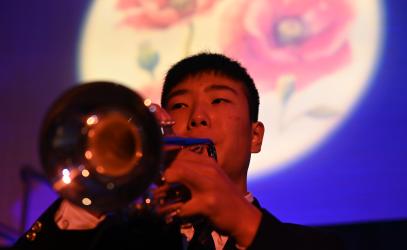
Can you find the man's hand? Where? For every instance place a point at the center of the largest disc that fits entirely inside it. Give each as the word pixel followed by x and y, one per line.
pixel 213 195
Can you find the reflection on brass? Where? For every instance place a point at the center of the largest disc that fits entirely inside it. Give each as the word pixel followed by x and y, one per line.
pixel 103 135
pixel 115 146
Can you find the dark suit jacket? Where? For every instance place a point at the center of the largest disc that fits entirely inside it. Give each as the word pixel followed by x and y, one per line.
pixel 150 232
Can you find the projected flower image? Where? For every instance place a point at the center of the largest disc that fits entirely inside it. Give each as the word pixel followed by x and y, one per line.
pixel 287 45
pixel 160 14
pixel 278 38
pixel 311 59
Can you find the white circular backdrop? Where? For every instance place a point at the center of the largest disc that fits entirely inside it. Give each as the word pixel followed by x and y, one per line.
pixel 122 42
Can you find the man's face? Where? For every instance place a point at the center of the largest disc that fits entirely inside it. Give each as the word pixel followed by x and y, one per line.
pixel 215 107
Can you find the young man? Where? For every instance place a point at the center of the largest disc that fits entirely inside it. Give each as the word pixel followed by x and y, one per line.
pixel 210 96
pixel 206 96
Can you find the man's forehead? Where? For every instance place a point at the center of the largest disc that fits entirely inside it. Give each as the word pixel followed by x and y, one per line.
pixel 207 83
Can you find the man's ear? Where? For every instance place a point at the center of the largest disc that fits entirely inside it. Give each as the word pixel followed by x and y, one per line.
pixel 257 136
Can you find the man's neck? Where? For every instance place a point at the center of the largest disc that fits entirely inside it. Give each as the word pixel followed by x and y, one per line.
pixel 241 185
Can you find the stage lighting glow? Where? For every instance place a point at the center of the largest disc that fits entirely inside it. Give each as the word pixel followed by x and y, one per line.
pixel 311 59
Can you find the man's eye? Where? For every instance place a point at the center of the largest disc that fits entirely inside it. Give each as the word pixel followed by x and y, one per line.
pixel 178 106
pixel 219 100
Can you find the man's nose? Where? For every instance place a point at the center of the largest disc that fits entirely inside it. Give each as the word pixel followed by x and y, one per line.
pixel 199 118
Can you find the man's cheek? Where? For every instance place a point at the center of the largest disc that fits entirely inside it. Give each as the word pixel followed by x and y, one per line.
pixel 177 130
pixel 180 123
pixel 236 121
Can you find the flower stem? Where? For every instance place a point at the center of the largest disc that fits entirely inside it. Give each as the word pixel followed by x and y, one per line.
pixel 188 41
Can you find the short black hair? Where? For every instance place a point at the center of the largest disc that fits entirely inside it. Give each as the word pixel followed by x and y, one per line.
pixel 216 64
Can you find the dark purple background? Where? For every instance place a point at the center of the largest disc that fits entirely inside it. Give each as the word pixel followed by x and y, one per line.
pixel 358 174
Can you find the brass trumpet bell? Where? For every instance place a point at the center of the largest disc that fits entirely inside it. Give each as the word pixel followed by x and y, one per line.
pixel 100 146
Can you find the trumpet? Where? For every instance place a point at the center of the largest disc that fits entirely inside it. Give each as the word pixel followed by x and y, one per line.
pixel 101 148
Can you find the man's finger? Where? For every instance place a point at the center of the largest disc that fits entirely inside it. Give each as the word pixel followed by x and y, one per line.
pixel 162 116
pixel 191 208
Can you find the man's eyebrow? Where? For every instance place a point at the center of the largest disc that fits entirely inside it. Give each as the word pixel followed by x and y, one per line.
pixel 177 93
pixel 212 87
pixel 220 87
